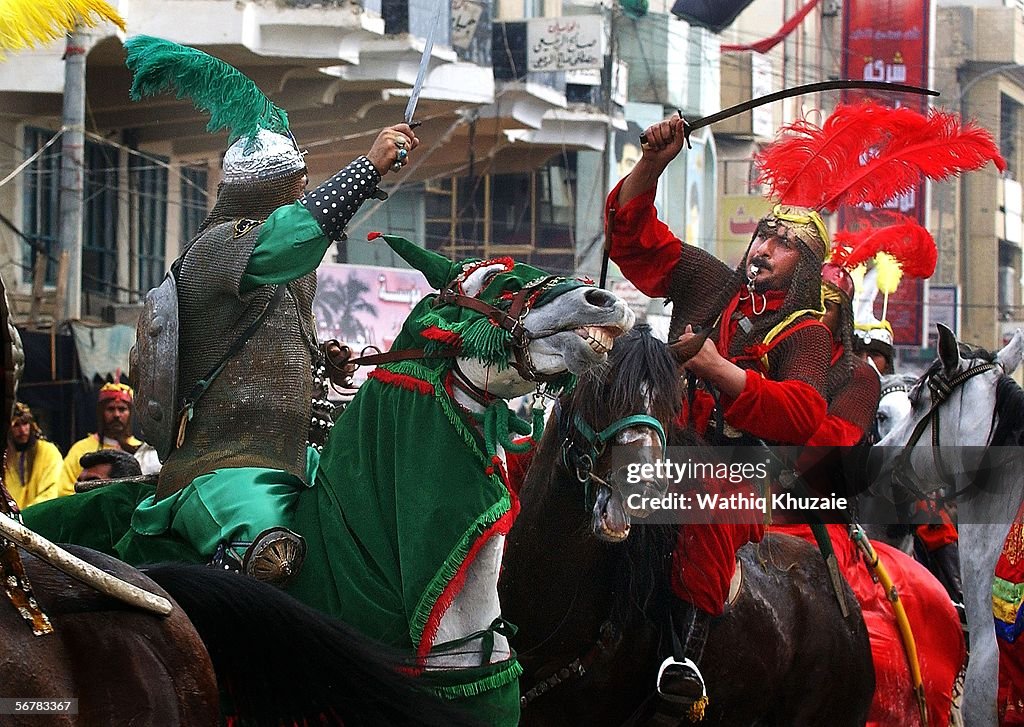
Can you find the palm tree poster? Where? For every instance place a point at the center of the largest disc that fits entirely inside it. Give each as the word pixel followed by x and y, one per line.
pixel 362 305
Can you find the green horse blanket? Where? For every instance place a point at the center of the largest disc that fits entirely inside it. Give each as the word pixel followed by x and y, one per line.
pixel 393 525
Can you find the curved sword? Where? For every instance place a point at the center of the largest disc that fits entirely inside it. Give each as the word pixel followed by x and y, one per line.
pixel 797 91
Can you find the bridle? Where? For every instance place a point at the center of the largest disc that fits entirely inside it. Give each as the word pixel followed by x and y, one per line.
pixel 941 388
pixel 511 320
pixel 580 457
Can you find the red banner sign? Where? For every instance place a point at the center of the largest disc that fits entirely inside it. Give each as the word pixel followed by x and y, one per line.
pixel 887 40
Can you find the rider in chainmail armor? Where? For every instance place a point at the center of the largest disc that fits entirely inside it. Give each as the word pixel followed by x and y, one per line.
pixel 701 287
pixel 264 406
pixel 761 372
pixel 251 377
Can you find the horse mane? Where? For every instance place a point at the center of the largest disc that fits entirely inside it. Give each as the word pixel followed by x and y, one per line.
pixel 641 376
pixel 897 382
pixel 640 368
pixel 282 662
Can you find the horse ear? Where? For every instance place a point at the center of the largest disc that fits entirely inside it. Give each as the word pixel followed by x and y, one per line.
pixel 1010 355
pixel 949 348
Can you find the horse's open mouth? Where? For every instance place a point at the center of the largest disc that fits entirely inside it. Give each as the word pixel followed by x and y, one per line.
pixel 600 338
pixel 610 521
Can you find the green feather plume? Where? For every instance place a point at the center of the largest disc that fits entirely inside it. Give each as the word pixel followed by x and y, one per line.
pixel 230 97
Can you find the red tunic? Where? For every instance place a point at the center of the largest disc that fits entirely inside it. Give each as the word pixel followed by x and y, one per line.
pixel 787 411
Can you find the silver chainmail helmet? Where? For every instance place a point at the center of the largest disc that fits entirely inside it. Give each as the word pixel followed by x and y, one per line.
pixel 266 157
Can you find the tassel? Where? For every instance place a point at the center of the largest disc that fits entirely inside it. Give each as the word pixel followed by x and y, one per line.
pixel 696 713
pixel 29 23
pixel 231 98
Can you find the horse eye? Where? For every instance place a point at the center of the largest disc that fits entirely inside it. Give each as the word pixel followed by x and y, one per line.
pixel 882 417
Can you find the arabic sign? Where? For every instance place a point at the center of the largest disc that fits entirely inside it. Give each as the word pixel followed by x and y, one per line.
pixel 565 44
pixel 887 40
pixel 363 305
pixel 465 17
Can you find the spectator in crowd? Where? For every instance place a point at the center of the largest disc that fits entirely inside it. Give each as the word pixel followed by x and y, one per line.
pixel 114 431
pixel 33 464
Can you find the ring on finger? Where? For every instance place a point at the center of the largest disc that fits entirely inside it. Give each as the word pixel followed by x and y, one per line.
pixel 400 142
pixel 397 166
pixel 402 154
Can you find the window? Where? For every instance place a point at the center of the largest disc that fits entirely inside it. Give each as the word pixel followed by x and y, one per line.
pixel 529 216
pixel 41 222
pixel 193 202
pixel 1009 128
pixel 99 242
pixel 149 187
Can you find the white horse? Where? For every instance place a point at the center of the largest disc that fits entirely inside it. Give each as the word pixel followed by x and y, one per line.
pixel 893 402
pixel 967 404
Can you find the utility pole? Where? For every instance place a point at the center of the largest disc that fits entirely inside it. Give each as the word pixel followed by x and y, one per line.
pixel 72 169
pixel 608 156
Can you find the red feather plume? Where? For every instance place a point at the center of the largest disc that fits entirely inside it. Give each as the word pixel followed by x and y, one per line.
pixel 807 160
pixel 907 241
pixel 937 149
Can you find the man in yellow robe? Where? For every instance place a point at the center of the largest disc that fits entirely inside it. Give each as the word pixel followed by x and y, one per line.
pixel 33 464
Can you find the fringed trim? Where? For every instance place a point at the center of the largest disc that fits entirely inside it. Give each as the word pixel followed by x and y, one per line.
pixel 450 339
pixel 506 676
pixel 488 342
pixel 479 337
pixel 402 380
pixel 446 583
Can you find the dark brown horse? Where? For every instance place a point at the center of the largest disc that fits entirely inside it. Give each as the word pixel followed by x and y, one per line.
pixel 781 655
pixel 122 664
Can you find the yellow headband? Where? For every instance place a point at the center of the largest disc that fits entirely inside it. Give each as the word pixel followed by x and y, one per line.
pixel 805 217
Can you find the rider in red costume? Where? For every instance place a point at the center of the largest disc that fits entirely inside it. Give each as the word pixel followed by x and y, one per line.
pixel 766 361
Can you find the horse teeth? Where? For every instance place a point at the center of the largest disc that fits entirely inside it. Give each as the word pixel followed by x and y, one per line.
pixel 597 338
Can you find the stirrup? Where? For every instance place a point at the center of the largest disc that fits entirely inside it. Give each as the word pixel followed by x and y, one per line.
pixel 688 665
pixel 275 556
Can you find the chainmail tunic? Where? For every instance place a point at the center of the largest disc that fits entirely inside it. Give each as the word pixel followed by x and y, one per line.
pixel 702 285
pixel 857 401
pixel 257 411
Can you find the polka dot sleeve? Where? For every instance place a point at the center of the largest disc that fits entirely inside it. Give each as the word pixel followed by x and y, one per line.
pixel 334 202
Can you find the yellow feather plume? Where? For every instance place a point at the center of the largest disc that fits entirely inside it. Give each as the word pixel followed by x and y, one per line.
pixel 28 23
pixel 889 273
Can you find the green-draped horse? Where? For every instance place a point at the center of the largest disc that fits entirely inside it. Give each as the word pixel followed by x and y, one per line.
pixel 405 524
